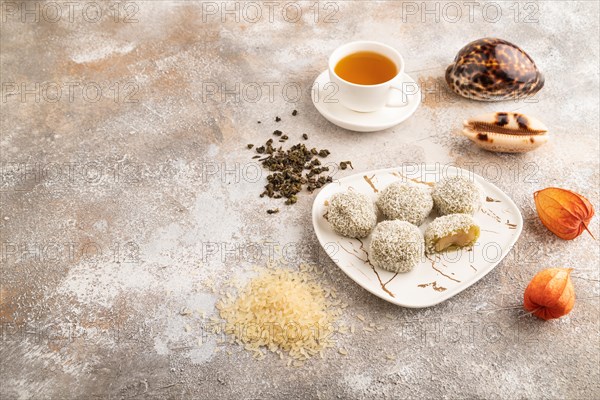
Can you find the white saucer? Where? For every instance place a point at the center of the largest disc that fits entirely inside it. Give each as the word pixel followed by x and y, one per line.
pixel 323 97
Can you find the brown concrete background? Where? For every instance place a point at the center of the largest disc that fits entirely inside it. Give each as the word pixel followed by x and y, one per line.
pixel 118 212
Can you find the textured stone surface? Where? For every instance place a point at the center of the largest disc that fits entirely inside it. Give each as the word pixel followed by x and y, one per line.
pixel 116 214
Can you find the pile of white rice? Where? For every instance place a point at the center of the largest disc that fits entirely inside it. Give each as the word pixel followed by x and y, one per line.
pixel 282 310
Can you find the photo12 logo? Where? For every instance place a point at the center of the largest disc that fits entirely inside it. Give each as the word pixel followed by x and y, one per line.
pixel 68 11
pixel 495 172
pixel 21 176
pixel 58 251
pixel 435 332
pixel 251 92
pixel 267 252
pixel 253 12
pixel 289 92
pixel 70 92
pixel 469 11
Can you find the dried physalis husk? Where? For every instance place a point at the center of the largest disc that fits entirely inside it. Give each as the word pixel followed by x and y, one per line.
pixel 565 213
pixel 550 294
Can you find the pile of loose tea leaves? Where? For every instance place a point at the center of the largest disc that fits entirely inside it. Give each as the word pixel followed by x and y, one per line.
pixel 292 169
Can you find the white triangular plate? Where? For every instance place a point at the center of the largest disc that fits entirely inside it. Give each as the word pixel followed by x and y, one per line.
pixel 434 279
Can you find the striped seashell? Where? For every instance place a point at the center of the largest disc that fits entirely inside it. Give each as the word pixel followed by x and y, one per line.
pixel 492 69
pixel 506 132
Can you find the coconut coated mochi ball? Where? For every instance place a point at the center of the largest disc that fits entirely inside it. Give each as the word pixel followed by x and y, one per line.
pixel 452 231
pixel 396 246
pixel 352 214
pixel 406 202
pixel 456 195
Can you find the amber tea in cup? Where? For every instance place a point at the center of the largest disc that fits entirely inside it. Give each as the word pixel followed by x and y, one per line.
pixel 366 68
pixel 364 74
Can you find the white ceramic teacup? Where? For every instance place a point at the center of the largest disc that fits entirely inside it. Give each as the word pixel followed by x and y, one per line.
pixel 366 98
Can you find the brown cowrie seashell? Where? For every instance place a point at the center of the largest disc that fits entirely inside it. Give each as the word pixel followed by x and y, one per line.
pixel 506 132
pixel 493 69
